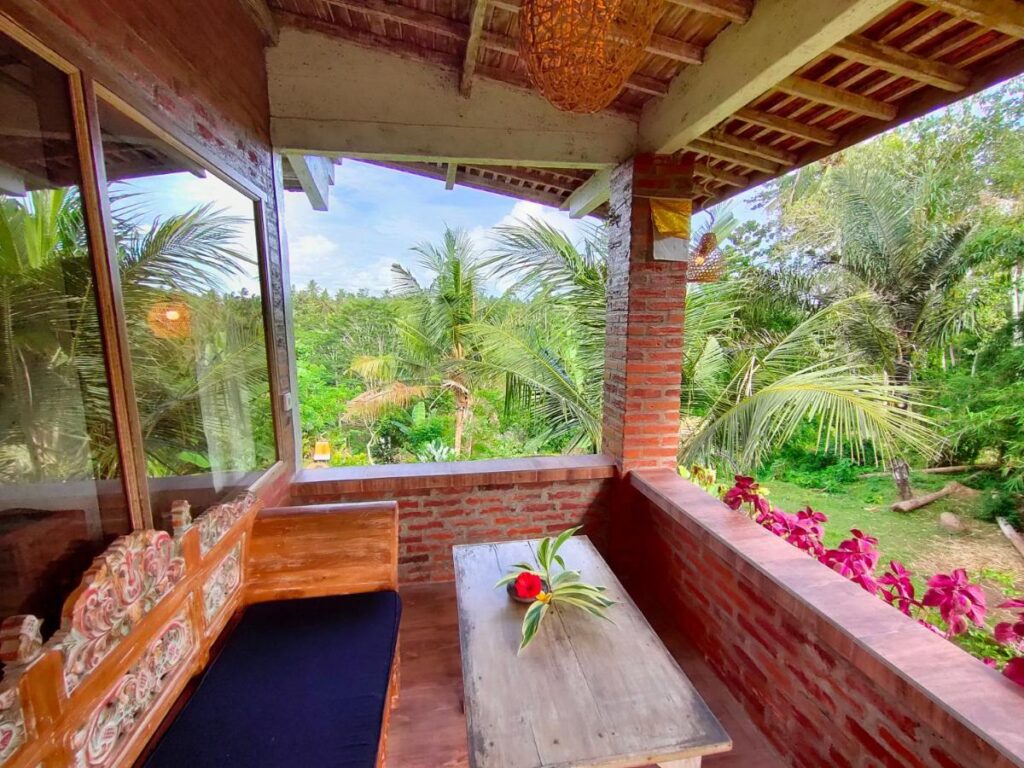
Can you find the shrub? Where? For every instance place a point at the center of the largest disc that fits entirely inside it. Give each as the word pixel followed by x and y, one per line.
pixel 952 606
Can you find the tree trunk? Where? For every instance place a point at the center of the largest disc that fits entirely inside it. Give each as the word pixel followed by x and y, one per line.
pixel 1016 303
pixel 462 411
pixel 902 375
pixel 901 476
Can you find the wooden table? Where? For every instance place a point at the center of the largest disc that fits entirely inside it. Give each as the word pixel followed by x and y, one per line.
pixel 586 693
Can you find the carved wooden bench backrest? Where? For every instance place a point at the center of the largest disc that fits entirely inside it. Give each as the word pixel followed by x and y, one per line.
pixel 139 626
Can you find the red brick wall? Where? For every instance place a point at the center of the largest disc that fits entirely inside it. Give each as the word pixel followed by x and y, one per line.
pixel 643 337
pixel 832 675
pixel 489 501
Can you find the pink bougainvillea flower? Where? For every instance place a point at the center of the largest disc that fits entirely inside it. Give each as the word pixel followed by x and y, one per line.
pixel 896 588
pixel 855 558
pixel 743 492
pixel 1017 602
pixel 957 599
pixel 1014 670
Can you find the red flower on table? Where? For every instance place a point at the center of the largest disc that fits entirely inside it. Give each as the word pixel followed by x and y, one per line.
pixel 527 585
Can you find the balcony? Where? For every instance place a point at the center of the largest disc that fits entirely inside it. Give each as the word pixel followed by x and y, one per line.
pixel 244 98
pixel 801 666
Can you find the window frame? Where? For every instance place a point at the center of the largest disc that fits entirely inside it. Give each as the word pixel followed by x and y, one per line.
pixel 84 94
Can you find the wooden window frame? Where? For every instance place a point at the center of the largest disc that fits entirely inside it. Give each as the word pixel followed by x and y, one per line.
pixel 84 94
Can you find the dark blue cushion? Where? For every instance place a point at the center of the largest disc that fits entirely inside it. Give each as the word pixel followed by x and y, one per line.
pixel 298 683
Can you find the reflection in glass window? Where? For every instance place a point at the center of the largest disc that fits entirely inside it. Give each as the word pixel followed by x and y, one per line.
pixel 61 500
pixel 190 282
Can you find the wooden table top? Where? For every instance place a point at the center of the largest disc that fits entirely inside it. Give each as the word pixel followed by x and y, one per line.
pixel 586 693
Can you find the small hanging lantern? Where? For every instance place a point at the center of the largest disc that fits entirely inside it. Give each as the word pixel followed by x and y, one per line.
pixel 580 53
pixel 707 264
pixel 169 320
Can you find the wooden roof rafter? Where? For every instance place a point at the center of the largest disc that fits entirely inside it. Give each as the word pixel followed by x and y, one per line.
pixel 879 62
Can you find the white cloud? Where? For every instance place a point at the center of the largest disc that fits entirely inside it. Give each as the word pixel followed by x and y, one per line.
pixel 376 215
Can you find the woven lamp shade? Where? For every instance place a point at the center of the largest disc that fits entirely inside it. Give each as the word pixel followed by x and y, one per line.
pixel 707 263
pixel 580 53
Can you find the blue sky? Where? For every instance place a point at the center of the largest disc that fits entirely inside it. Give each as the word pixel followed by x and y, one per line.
pixel 376 215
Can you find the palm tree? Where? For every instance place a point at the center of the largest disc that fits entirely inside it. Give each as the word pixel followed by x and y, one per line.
pixel 553 359
pixel 55 420
pixel 438 353
pixel 750 395
pixel 890 236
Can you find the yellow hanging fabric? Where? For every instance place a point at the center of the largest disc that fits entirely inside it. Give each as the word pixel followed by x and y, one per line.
pixel 672 217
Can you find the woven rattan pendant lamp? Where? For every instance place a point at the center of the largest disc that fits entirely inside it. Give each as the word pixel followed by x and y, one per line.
pixel 580 53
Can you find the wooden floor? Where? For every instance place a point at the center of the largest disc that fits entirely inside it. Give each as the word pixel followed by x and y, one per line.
pixel 428 729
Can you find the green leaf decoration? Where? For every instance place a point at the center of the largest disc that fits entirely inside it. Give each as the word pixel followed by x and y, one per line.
pixel 564 587
pixel 531 622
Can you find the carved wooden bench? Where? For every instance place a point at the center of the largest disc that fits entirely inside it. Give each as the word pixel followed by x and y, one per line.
pixel 148 612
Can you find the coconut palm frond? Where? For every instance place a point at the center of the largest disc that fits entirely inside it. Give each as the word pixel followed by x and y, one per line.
pixel 537 376
pixel 373 403
pixel 852 409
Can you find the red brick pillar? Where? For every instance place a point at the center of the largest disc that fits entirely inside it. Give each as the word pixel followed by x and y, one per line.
pixel 644 335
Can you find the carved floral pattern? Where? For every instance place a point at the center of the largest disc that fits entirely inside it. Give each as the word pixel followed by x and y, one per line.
pixel 125 706
pixel 222 582
pixel 12 723
pixel 122 586
pixel 217 520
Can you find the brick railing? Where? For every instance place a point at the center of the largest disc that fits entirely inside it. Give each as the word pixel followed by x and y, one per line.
pixel 832 675
pixel 441 505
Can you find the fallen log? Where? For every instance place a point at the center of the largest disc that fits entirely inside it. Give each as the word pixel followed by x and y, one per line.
pixel 940 470
pixel 920 501
pixel 1012 534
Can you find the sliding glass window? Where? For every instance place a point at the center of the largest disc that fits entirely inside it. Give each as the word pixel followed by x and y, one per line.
pixel 61 498
pixel 190 281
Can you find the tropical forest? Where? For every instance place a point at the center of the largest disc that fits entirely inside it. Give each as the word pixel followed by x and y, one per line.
pixel 855 344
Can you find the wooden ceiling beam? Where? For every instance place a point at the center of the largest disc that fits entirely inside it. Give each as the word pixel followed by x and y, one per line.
pixel 590 195
pixel 259 12
pixel 736 11
pixel 404 14
pixel 331 95
pixel 477 14
pixel 785 125
pixel 704 170
pixel 724 139
pixel 837 97
pixel 733 156
pixel 898 62
pixel 744 62
pixel 1005 16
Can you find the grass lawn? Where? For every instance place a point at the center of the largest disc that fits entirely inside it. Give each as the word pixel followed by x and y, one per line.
pixel 916 538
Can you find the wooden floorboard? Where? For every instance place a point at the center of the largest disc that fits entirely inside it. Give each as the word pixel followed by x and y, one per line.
pixel 428 729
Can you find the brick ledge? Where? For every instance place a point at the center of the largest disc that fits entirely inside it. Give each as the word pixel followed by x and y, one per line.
pixel 943 685
pixel 456 474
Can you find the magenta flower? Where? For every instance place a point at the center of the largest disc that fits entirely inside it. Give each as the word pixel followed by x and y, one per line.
pixel 1014 670
pixel 744 491
pixel 896 588
pixel 855 559
pixel 1011 633
pixel 957 600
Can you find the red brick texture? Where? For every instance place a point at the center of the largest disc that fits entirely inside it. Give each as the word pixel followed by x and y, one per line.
pixel 832 675
pixel 643 337
pixel 440 505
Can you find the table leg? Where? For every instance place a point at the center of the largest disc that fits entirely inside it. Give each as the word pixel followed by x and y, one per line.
pixel 691 762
